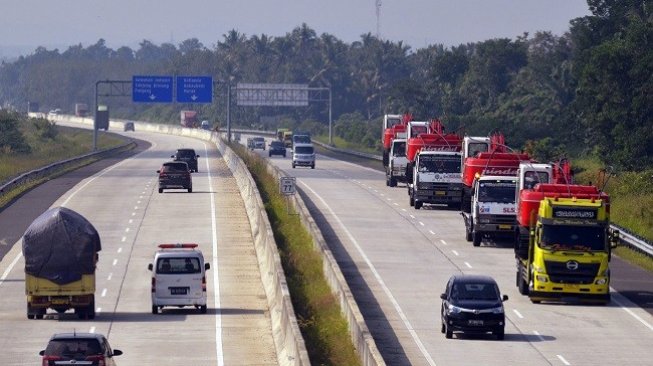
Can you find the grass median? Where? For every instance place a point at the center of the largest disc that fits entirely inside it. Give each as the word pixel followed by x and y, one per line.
pixel 320 319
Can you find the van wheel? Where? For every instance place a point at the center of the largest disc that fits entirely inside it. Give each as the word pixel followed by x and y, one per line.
pixel 418 205
pixel 203 309
pixel 160 190
pixel 393 181
pixel 190 190
pixel 313 166
pixel 293 166
pixel 155 309
pixel 500 334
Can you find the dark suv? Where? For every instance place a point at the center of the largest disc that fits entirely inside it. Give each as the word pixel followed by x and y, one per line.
pixel 79 349
pixel 188 156
pixel 277 148
pixel 175 174
pixel 473 304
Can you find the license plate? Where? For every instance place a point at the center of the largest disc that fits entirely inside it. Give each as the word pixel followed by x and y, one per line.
pixel 59 301
pixel 178 290
pixel 475 322
pixel 440 193
pixel 505 227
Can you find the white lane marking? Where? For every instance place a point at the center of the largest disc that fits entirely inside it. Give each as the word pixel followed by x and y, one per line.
pixel 455 252
pixel 563 360
pixel 376 191
pixel 109 277
pixel 442 241
pixel 140 197
pixel 411 216
pixel 115 261
pixel 468 265
pixel 98 310
pixel 120 250
pixel 389 199
pixel 123 239
pixel 127 230
pixel 131 221
pixel 139 202
pixel 104 292
pixel 403 209
pixel 382 195
pixel 385 288
pixel 92 330
pixel 538 336
pixel 421 223
pixel 396 204
pixel 11 266
pixel 621 305
pixel 214 264
pixel 143 192
pixel 135 207
pixel 133 213
pixel 518 313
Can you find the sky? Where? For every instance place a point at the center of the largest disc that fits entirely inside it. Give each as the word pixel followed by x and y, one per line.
pixel 27 24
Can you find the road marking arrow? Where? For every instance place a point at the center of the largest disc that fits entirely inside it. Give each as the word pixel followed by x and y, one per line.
pixel 152 97
pixel 193 97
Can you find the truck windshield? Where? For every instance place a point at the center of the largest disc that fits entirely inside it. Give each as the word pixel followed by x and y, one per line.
pixel 476 147
pixel 439 164
pixel 503 192
pixel 391 122
pixel 573 237
pixel 416 130
pixel 399 149
pixel 531 178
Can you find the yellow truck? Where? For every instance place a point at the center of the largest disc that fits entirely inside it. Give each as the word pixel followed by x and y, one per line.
pixel 287 138
pixel 61 252
pixel 564 251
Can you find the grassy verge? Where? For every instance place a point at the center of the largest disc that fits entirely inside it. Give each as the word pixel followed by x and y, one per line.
pixel 320 318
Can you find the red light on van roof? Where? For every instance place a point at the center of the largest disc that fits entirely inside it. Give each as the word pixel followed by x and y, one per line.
pixel 178 245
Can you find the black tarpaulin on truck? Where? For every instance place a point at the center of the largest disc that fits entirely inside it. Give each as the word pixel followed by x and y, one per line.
pixel 60 245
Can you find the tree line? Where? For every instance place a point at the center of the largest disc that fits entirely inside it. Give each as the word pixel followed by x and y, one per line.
pixel 588 92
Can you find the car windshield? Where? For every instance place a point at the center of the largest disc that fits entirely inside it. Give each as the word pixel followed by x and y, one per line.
pixel 503 192
pixel 259 139
pixel 186 153
pixel 173 168
pixel 304 150
pixel 74 348
pixel 474 291
pixel 183 265
pixel 439 164
pixel 573 237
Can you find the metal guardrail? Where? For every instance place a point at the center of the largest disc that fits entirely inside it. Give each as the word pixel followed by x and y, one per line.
pixel 634 241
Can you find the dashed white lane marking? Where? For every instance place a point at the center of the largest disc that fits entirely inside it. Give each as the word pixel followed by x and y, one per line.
pixel 443 242
pixel 139 202
pixel 431 231
pixel 141 197
pixel 396 204
pixel 143 192
pixel 563 360
pixel 109 277
pixel 127 230
pixel 115 261
pixel 123 239
pixel 518 313
pixel 403 209
pixel 421 223
pixel 411 216
pixel 455 252
pixel 92 330
pixel 120 250
pixel 11 266
pixel 378 278
pixel 538 336
pixel 104 292
pixel 131 221
pixel 468 265
pixel 133 213
pixel 382 195
pixel 389 199
pixel 135 207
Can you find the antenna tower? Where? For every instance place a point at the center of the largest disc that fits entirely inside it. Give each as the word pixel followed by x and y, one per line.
pixel 378 19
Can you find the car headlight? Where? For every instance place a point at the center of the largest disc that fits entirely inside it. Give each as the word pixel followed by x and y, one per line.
pixel 451 309
pixel 498 310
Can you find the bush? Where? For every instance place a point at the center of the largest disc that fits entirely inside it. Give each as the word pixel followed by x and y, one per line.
pixel 12 139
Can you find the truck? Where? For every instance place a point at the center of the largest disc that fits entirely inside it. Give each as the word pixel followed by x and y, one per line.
pixel 433 158
pixel 563 243
pixel 397 161
pixel 61 252
pixel 81 109
pixel 280 132
pixel 493 208
pixel 392 124
pixel 287 138
pixel 189 119
pixel 486 156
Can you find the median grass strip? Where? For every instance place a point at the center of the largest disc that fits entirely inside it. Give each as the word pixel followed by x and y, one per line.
pixel 324 328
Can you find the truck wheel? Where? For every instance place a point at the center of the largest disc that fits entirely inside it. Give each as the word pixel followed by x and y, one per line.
pixel 476 238
pixel 393 181
pixel 313 166
pixel 30 316
pixel 155 309
pixel 522 285
pixel 81 313
pixel 468 234
pixel 418 205
pixel 190 189
pixel 203 309
pixel 411 201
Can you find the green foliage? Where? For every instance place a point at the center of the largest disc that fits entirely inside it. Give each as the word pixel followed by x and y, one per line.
pixel 12 140
pixel 45 129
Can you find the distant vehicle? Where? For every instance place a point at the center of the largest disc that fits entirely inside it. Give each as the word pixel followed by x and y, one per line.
pixel 206 125
pixel 277 148
pixel 60 248
pixel 237 136
pixel 81 109
pixel 287 138
pixel 178 277
pixel 79 349
pixel 303 155
pixel 472 304
pixel 189 119
pixel 301 138
pixel 54 112
pixel 129 126
pixel 187 155
pixel 250 143
pixel 175 174
pixel 258 143
pixel 280 132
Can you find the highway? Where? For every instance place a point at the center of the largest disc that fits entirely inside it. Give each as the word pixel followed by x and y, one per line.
pixel 397 260
pixel 123 204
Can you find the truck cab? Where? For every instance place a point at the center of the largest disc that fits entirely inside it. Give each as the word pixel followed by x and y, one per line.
pixel 436 178
pixel 493 209
pixel 178 277
pixel 396 169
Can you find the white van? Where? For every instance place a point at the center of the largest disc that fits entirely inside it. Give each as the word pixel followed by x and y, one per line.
pixel 303 155
pixel 178 277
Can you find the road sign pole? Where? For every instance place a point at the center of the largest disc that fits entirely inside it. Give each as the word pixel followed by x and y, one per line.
pixel 228 110
pixel 95 118
pixel 330 122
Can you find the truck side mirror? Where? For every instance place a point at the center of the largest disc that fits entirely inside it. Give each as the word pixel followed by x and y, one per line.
pixel 443 296
pixel 197 156
pixel 504 298
pixel 172 156
pixel 42 353
pixel 149 267
pixel 207 266
pixel 158 171
pixel 614 239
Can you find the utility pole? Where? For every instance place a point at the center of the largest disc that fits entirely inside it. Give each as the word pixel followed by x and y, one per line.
pixel 378 19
